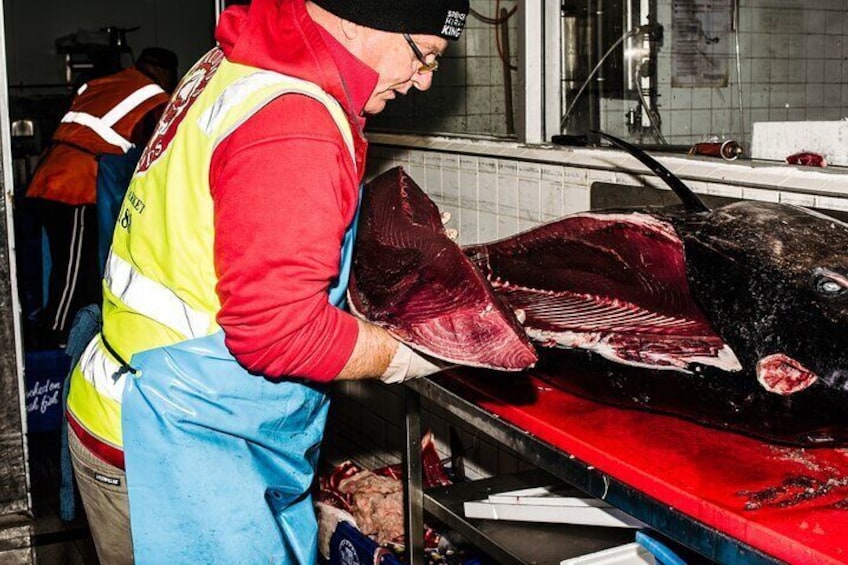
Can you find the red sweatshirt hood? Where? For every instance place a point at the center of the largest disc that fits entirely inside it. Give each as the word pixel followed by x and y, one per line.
pixel 279 35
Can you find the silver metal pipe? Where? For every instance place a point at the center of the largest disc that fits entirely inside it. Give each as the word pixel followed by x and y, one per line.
pixel 735 26
pixel 570 51
pixel 599 35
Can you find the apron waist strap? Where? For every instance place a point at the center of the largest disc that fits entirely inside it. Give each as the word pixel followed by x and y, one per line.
pixel 125 367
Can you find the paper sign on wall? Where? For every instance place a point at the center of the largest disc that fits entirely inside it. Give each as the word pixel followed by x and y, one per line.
pixel 701 43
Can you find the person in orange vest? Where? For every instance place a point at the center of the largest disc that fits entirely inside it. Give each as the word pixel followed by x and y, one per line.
pixel 113 115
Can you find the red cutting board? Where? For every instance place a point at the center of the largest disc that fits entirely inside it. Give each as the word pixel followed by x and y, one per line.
pixel 710 475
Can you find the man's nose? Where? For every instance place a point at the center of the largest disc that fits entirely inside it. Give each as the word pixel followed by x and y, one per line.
pixel 422 81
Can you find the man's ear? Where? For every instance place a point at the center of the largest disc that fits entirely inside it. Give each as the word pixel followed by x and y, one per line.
pixel 350 30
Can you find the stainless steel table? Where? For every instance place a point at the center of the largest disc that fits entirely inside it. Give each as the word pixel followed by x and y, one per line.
pixel 446 504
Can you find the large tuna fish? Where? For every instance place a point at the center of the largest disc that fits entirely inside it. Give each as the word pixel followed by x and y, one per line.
pixel 413 280
pixel 735 317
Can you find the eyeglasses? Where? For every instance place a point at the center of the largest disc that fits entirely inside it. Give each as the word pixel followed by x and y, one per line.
pixel 425 66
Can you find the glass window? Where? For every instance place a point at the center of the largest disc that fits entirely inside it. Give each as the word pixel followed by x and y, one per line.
pixel 662 73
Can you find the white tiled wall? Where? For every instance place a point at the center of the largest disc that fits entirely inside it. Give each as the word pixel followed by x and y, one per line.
pixel 495 190
pixel 491 196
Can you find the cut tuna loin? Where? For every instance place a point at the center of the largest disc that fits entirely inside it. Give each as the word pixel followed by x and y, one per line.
pixel 411 279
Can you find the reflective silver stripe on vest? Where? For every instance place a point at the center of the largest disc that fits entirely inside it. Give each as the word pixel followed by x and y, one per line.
pixel 130 103
pixel 240 89
pixel 103 126
pixel 99 369
pixel 97 126
pixel 154 300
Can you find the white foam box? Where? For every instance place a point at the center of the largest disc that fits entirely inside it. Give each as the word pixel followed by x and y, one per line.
pixel 550 505
pixel 775 141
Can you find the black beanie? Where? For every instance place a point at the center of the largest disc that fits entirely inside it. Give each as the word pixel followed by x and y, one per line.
pixel 444 18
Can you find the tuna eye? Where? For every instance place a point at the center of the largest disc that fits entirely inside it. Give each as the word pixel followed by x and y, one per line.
pixel 828 287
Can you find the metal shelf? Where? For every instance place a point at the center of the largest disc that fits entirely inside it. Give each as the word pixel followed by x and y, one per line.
pixel 517 542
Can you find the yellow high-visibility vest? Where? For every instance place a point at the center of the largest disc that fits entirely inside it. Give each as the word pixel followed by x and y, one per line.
pixel 159 280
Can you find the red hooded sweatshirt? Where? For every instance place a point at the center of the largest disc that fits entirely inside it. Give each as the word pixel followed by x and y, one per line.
pixel 285 190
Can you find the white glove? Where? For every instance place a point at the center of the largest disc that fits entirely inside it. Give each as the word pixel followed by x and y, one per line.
pixel 408 364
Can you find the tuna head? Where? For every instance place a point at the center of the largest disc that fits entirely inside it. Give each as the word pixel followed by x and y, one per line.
pixel 774 279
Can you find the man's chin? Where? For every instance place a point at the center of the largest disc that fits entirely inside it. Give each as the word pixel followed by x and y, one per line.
pixel 374 107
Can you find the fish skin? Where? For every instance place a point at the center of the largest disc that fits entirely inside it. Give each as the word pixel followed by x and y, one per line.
pixel 410 278
pixel 776 255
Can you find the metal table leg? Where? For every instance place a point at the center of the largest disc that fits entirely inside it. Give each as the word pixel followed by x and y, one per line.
pixel 413 488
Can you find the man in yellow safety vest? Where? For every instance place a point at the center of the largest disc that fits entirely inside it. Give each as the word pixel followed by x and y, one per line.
pixel 197 413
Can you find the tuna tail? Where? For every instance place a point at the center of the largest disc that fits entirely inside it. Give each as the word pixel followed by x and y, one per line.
pixel 689 199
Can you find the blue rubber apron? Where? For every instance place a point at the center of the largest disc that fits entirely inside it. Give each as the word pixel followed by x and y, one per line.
pixel 220 461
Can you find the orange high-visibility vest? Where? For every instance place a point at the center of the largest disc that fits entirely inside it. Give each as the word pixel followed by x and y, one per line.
pixel 102 118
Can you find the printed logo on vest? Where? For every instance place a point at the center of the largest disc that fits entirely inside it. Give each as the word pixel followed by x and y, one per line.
pixel 113 481
pixel 186 93
pixel 454 23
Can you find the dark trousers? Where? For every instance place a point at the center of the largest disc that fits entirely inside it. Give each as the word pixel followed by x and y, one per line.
pixel 74 272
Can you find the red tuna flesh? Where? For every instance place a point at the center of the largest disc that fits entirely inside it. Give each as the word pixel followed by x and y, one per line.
pixel 611 283
pixel 411 279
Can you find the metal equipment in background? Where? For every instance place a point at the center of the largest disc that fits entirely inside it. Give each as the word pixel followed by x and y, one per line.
pixel 91 54
pixel 640 70
pixel 609 52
